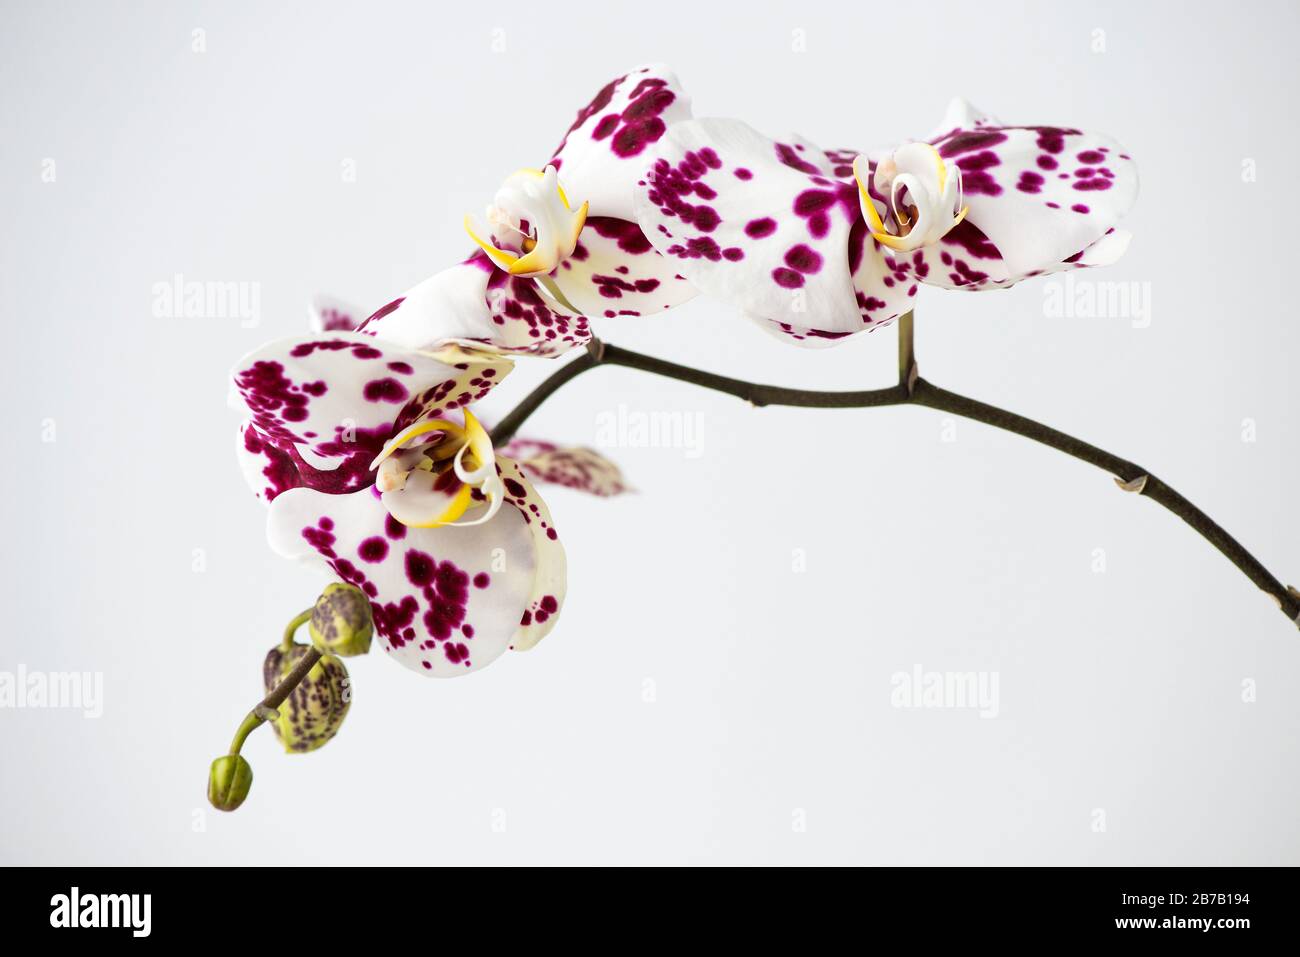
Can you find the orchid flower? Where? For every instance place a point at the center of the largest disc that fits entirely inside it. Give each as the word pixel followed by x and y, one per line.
pixel 818 245
pixel 371 460
pixel 574 467
pixel 361 440
pixel 560 244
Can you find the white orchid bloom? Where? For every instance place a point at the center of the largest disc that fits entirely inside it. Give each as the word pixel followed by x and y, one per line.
pixel 817 245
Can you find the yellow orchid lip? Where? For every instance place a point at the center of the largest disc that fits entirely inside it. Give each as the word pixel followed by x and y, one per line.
pixel 501 257
pixel 534 197
pixel 942 171
pixel 868 204
pixel 890 240
pixel 931 196
pixel 477 439
pixel 457 432
pixel 875 225
pixel 465 463
pixel 458 506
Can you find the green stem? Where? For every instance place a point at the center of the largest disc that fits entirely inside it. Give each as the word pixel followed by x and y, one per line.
pixel 290 629
pixel 913 390
pixel 906 350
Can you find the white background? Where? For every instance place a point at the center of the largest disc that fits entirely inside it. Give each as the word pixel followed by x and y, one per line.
pixel 1120 691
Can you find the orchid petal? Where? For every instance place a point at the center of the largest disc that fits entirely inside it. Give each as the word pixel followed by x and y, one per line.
pixel 446 601
pixel 760 223
pixel 550 569
pixel 961 114
pixel 476 304
pixel 327 313
pixel 578 468
pixel 615 271
pixel 334 395
pixel 965 259
pixel 266 467
pixel 1040 194
pixel 603 154
pixel 271 468
pixel 1105 251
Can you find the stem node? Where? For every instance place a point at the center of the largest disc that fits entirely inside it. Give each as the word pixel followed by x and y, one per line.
pixel 1138 484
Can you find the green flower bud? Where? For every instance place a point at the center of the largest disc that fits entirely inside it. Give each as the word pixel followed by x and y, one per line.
pixel 341 622
pixel 314 711
pixel 228 782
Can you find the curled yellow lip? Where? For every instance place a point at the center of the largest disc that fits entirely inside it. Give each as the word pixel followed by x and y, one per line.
pixel 457 432
pixel 932 192
pixel 534 196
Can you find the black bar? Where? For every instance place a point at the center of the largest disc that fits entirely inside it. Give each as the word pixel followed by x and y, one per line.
pixel 1170 907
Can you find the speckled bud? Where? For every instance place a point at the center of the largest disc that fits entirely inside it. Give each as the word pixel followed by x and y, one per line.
pixel 314 711
pixel 340 622
pixel 228 782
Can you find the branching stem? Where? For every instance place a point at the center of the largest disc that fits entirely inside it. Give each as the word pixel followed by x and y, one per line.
pixel 911 389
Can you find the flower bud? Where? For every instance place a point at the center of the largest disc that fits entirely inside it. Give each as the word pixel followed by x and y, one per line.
pixel 314 711
pixel 341 622
pixel 228 782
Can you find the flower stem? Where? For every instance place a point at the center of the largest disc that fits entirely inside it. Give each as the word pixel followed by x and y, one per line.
pixel 913 390
pixel 906 350
pixel 258 716
pixel 505 429
pixel 290 629
pixel 1128 475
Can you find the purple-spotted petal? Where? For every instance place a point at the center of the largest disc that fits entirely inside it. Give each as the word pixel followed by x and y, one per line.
pixel 962 115
pixel 327 313
pixel 474 303
pixel 574 467
pixel 760 223
pixel 615 271
pixel 603 154
pixel 962 259
pixel 334 395
pixel 266 467
pixel 550 566
pixel 1040 194
pixel 270 468
pixel 1105 251
pixel 446 601
pixel 966 259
